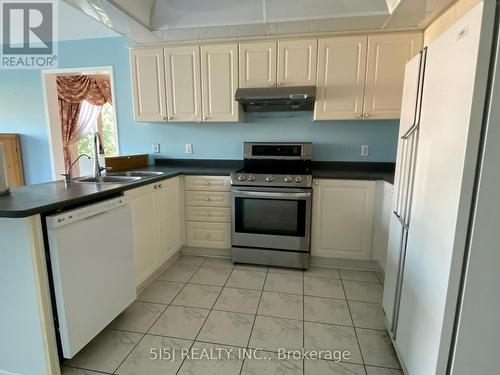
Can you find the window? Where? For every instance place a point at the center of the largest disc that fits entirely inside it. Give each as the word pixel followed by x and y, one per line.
pixel 106 127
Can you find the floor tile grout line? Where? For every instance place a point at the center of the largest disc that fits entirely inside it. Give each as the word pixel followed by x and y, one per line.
pixel 206 318
pixel 354 328
pixel 144 335
pixel 86 369
pixel 130 352
pixel 254 319
pixel 192 343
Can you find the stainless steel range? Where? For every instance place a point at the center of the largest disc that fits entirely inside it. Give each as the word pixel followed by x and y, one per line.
pixel 271 205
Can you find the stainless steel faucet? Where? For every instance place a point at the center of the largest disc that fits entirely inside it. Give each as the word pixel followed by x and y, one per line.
pixel 97 145
pixel 67 175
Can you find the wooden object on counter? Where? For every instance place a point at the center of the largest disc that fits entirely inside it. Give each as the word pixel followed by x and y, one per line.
pixel 125 163
pixel 12 150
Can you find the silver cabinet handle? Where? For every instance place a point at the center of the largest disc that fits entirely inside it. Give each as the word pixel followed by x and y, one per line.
pixel 207 199
pixel 209 235
pixel 366 115
pixel 207 183
pixel 358 116
pixel 280 83
pixel 163 118
pixel 207 214
pixel 170 118
pixel 271 83
pixel 244 193
pixel 206 118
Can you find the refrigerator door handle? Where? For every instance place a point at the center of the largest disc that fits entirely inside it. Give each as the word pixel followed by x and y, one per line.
pixel 410 131
pixel 401 220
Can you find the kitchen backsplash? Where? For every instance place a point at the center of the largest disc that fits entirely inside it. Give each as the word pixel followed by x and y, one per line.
pixel 333 140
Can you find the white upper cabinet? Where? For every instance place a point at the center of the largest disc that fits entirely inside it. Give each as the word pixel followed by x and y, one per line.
pixel 148 84
pixel 297 62
pixel 341 78
pixel 257 63
pixel 219 77
pixel 342 219
pixel 284 63
pixel 385 69
pixel 182 70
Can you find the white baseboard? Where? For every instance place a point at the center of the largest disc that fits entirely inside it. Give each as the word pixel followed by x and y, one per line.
pixel 207 252
pixel 371 265
pixel 162 268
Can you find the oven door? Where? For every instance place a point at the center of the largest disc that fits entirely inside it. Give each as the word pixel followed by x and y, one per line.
pixel 271 218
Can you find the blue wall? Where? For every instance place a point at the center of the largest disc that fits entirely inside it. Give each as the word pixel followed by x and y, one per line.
pixel 22 111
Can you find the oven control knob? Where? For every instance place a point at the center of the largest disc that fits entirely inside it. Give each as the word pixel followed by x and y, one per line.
pixel 251 178
pixel 242 177
pixel 298 179
pixel 288 179
pixel 269 178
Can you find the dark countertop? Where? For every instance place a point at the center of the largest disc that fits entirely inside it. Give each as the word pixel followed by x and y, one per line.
pixel 353 171
pixel 52 196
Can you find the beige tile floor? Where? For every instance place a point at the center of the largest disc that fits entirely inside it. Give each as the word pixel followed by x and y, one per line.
pixel 209 303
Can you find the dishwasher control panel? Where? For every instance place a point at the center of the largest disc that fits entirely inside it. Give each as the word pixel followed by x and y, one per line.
pixel 80 213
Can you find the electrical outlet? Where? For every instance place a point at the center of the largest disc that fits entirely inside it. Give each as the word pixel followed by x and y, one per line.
pixel 189 148
pixel 365 150
pixel 156 148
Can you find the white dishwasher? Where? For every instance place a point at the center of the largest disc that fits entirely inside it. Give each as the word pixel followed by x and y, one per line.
pixel 92 259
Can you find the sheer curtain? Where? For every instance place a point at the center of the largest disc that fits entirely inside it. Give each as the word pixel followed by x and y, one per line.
pixel 87 123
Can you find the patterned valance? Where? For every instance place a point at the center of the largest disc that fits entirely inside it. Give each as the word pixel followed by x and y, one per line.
pixel 75 89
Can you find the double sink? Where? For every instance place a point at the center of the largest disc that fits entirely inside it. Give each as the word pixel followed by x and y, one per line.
pixel 119 177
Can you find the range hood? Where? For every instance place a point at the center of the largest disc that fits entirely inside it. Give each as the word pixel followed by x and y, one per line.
pixel 268 99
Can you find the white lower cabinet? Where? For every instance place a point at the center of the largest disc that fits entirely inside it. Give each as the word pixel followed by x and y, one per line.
pixel 215 214
pixel 342 219
pixel 169 223
pixel 208 212
pixel 156 226
pixel 205 234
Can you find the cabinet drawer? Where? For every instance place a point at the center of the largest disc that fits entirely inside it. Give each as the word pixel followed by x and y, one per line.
pixel 207 198
pixel 213 214
pixel 210 183
pixel 214 235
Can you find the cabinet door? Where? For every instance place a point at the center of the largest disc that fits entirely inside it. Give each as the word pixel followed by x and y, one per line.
pixel 342 219
pixel 12 151
pixel 168 218
pixel 219 82
pixel 341 78
pixel 182 70
pixel 148 84
pixel 385 69
pixel 142 203
pixel 257 64
pixel 297 62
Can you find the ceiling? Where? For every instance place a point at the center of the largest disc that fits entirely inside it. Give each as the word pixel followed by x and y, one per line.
pixel 148 21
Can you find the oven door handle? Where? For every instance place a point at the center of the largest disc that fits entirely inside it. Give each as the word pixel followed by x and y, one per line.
pixel 261 194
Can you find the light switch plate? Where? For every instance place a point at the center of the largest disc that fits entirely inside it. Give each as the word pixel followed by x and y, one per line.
pixel 189 148
pixel 365 150
pixel 156 148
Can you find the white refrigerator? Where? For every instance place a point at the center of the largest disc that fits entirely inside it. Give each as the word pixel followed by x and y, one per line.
pixel 434 187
